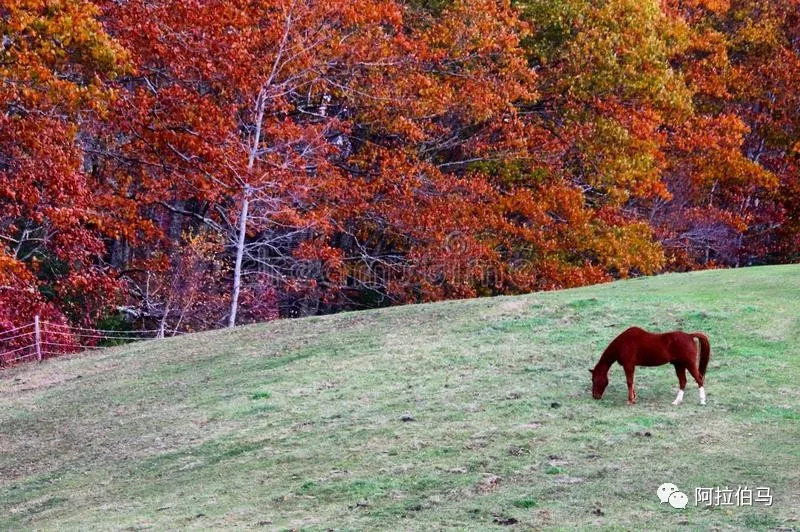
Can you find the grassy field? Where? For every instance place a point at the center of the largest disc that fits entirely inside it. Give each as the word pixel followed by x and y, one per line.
pixel 468 414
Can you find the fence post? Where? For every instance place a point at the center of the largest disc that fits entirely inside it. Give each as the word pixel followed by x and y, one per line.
pixel 37 338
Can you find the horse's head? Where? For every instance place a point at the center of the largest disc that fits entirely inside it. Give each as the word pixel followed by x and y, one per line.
pixel 599 383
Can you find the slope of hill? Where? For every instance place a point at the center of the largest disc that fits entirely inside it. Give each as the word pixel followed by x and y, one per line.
pixel 467 414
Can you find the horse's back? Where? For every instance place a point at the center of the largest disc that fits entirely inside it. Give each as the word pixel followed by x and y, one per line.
pixel 654 349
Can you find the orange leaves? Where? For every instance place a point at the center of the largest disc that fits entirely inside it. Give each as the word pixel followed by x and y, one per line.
pixel 54 60
pixel 623 48
pixel 668 107
pixel 729 160
pixel 612 94
pixel 715 6
pixel 625 248
pixel 418 154
pixel 714 146
pixel 465 68
pixel 47 47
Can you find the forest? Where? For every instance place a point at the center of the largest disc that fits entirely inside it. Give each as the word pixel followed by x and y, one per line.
pixel 194 164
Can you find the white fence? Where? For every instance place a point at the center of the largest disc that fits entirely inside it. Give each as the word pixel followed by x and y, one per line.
pixel 43 339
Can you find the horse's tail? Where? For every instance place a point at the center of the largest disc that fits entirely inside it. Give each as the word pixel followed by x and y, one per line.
pixel 705 351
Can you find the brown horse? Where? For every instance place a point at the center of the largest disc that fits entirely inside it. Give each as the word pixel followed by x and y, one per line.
pixel 637 347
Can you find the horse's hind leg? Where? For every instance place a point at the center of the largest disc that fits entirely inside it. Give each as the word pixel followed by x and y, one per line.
pixel 699 379
pixel 681 371
pixel 629 378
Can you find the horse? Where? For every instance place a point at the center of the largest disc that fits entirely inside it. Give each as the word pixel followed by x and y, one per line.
pixel 637 347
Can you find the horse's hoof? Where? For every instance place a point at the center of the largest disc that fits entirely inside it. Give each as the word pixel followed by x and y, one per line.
pixel 702 403
pixel 676 403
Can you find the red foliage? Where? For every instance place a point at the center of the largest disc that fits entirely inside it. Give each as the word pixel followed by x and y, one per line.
pixel 187 160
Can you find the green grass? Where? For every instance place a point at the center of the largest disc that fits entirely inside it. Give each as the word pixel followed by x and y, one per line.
pixel 464 414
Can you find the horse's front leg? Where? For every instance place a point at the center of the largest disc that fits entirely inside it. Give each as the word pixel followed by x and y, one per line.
pixel 629 378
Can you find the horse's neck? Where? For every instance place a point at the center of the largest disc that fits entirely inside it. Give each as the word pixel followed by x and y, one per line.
pixel 605 362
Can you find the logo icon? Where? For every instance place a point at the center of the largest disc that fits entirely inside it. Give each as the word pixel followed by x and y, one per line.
pixel 678 500
pixel 665 490
pixel 670 493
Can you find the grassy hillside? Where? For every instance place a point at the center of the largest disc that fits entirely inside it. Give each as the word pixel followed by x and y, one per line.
pixel 468 414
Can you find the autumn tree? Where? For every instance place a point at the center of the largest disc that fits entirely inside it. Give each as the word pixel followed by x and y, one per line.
pixel 54 57
pixel 634 89
pixel 741 62
pixel 491 211
pixel 372 152
pixel 204 163
pixel 238 116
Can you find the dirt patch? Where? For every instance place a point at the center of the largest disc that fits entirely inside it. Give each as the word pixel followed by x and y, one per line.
pixel 567 480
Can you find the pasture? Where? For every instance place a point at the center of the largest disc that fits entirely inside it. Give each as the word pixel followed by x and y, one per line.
pixel 462 414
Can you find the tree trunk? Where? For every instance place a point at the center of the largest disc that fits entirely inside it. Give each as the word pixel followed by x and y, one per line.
pixel 163 324
pixel 237 269
pixel 240 241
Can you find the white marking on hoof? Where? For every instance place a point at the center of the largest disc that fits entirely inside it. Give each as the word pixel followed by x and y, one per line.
pixel 678 400
pixel 702 395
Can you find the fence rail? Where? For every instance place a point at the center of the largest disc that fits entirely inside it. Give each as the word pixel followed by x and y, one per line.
pixel 44 339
